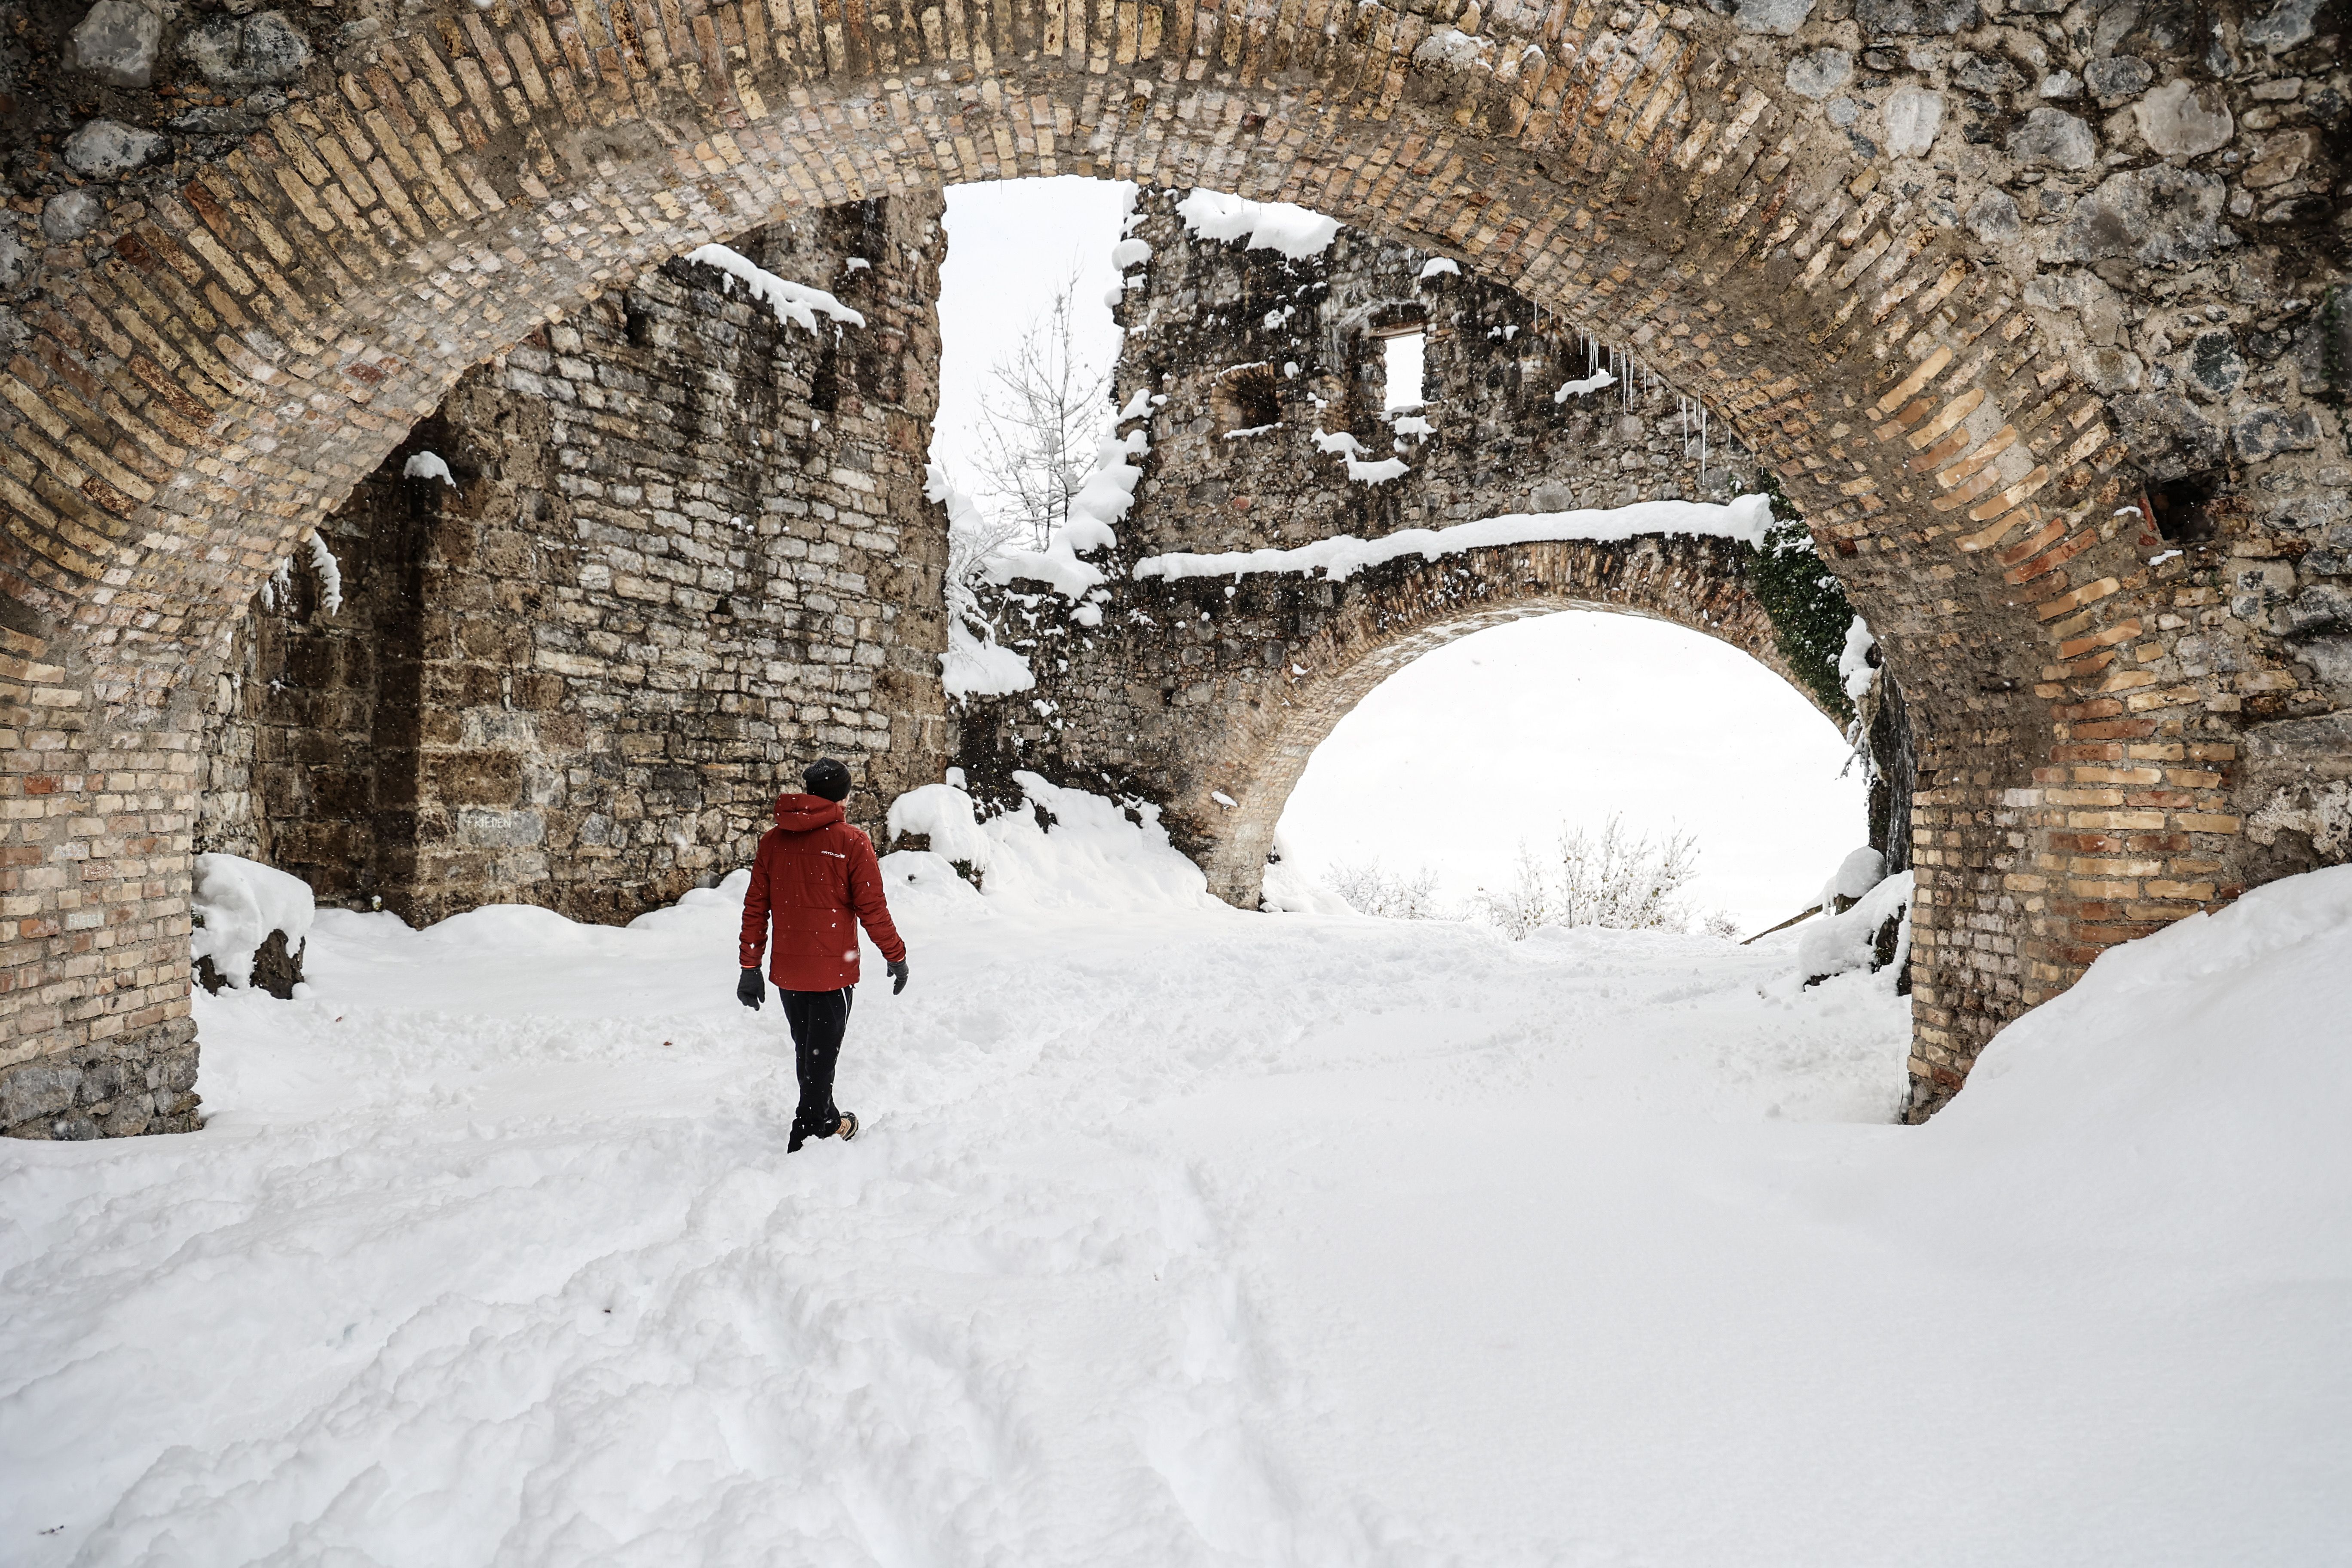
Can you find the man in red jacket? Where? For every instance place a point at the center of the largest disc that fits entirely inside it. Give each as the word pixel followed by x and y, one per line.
pixel 814 872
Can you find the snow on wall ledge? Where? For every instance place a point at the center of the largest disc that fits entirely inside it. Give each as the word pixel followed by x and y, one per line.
pixel 794 302
pixel 1262 226
pixel 1745 519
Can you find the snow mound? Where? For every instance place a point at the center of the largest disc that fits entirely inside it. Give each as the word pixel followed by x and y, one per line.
pixel 1289 890
pixel 1097 854
pixel 1064 848
pixel 2187 1098
pixel 1263 226
pixel 981 666
pixel 237 903
pixel 945 814
pixel 1747 519
pixel 1856 875
pixel 794 302
pixel 427 466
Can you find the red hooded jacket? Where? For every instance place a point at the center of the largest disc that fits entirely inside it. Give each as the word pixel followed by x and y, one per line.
pixel 814 871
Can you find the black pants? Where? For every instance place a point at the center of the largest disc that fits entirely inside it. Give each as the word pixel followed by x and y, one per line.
pixel 818 1019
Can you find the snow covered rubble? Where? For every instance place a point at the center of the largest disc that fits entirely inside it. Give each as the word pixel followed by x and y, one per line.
pixel 1180 1236
pixel 236 904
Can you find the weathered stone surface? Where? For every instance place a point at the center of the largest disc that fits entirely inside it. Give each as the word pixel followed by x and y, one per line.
pixel 1880 16
pixel 116 42
pixel 2214 365
pixel 1781 17
pixel 1993 218
pixel 2053 139
pixel 2280 159
pixel 2181 120
pixel 69 214
pixel 2167 437
pixel 1912 116
pixel 2286 23
pixel 276 970
pixel 140 1080
pixel 247 51
pixel 2097 309
pixel 2117 77
pixel 2110 370
pixel 1820 73
pixel 2160 216
pixel 2267 432
pixel 1984 73
pixel 106 148
pixel 2060 87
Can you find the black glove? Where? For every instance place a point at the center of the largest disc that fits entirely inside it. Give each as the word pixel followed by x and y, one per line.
pixel 897 974
pixel 749 990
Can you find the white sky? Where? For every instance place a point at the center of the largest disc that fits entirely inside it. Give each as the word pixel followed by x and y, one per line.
pixel 1499 737
pixel 1511 732
pixel 1010 245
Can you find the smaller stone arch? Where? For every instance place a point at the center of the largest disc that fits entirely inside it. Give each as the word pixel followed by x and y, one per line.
pixel 1350 636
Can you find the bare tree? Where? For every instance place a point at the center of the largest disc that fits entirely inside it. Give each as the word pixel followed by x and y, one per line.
pixel 1039 434
pixel 1621 881
pixel 1372 889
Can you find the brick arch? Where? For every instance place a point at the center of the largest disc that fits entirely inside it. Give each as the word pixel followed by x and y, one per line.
pixel 1320 648
pixel 239 343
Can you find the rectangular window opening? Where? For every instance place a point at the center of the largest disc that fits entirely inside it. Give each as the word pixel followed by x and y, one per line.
pixel 1401 362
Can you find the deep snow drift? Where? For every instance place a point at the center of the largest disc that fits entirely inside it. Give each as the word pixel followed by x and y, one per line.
pixel 1180 1236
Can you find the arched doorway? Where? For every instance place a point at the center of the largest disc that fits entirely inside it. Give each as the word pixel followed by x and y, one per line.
pixel 1477 757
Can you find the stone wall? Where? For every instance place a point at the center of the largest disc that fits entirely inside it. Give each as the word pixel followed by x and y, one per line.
pixel 686 551
pixel 1206 696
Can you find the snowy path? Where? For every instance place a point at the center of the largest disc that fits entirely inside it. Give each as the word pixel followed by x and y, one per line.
pixel 1179 1236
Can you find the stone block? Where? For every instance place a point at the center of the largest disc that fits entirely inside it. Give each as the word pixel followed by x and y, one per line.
pixel 116 42
pixel 103 149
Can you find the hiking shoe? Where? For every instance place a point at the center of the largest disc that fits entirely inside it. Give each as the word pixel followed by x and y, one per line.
pixel 847 1128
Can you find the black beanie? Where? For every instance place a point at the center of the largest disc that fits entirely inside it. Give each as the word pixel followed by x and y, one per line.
pixel 827 780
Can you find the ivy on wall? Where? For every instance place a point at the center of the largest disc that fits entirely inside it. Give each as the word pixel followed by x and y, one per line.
pixel 1809 610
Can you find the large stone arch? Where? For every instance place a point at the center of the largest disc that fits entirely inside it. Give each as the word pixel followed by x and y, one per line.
pixel 210 354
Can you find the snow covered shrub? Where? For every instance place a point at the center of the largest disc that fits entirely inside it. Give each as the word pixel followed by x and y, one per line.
pixel 975 664
pixel 1621 881
pixel 1372 889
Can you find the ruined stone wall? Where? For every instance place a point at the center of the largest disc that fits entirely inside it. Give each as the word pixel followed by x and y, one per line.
pixel 687 551
pixel 1206 696
pixel 1245 339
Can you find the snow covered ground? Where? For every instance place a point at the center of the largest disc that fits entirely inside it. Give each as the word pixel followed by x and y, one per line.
pixel 1180 1236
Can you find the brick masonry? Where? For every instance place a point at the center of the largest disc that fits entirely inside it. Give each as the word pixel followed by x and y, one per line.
pixel 1886 290
pixel 687 551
